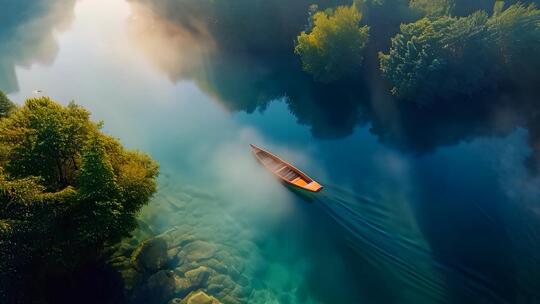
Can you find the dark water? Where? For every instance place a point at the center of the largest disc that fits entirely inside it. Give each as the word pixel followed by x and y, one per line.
pixel 418 207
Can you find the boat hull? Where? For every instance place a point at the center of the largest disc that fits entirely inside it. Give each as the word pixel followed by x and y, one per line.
pixel 284 171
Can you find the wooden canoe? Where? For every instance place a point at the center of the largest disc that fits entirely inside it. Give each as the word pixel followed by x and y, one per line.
pixel 286 172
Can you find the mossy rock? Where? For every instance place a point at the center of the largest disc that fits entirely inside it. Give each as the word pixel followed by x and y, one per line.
pixel 198 276
pixel 151 255
pixel 200 297
pixel 218 266
pixel 160 287
pixel 198 250
pixel 183 287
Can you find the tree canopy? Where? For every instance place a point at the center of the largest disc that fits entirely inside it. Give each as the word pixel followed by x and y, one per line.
pixel 516 34
pixel 444 57
pixel 5 105
pixel 427 57
pixel 66 190
pixel 333 47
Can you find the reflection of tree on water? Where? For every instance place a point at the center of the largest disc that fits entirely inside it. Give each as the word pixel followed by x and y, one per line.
pixel 27 34
pixel 257 27
pixel 332 111
pixel 244 72
pixel 244 75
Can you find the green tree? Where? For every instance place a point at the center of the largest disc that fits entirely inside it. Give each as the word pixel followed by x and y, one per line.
pixel 5 105
pixel 66 190
pixel 445 57
pixel 97 180
pixel 516 34
pixel 43 139
pixel 442 56
pixel 333 47
pixel 384 18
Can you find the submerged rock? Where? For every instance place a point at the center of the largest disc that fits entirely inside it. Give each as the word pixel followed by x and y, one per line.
pixel 220 285
pixel 186 266
pixel 198 250
pixel 151 255
pixel 200 297
pixel 131 278
pixel 160 287
pixel 198 276
pixel 171 253
pixel 183 287
pixel 217 266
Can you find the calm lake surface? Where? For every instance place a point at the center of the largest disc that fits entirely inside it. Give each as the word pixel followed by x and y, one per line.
pixel 458 222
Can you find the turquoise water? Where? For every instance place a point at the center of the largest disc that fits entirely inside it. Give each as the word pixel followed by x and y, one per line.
pixel 430 215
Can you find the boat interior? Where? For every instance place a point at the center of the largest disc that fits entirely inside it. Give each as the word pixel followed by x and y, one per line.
pixel 282 169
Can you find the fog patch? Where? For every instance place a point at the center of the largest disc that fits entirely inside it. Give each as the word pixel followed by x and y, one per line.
pixel 176 50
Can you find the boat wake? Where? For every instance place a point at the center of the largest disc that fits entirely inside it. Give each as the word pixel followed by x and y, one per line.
pixel 388 247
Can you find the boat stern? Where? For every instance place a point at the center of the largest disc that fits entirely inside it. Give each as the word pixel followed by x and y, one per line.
pixel 313 186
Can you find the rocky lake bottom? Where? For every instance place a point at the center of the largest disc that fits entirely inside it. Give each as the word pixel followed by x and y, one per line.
pixel 189 250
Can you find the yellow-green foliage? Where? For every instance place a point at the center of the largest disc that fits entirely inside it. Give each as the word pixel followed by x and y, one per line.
pixel 5 105
pixel 333 47
pixel 516 32
pixel 66 188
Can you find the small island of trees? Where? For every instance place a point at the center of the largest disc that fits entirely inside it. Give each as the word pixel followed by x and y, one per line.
pixel 67 190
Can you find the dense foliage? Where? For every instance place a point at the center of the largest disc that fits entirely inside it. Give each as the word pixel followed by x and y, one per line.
pixel 427 57
pixel 516 34
pixel 333 47
pixel 66 190
pixel 454 56
pixel 5 105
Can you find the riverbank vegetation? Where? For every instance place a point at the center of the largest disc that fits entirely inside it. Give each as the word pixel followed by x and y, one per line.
pixel 66 190
pixel 333 47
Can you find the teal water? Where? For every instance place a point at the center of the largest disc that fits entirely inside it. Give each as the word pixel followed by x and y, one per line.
pixel 443 213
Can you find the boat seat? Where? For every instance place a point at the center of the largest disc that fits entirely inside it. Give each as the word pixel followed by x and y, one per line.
pixel 299 182
pixel 288 174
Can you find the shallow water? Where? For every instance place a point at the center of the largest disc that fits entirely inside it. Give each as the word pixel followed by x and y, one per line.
pixel 459 223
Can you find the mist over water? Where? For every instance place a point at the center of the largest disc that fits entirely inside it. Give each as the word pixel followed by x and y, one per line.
pixel 409 214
